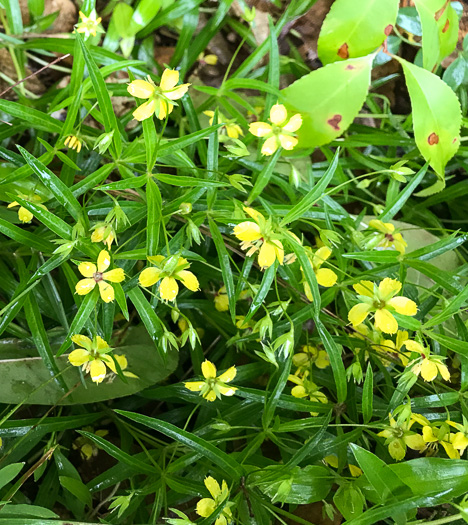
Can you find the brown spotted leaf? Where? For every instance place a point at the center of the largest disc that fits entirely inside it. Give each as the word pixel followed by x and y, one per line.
pixel 436 116
pixel 354 28
pixel 328 99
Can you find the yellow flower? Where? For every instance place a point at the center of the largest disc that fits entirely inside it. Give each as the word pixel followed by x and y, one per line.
pixel 213 387
pixel 325 276
pixel 94 357
pixel 332 460
pixel 258 236
pixel 89 25
pixel 25 215
pixel 104 233
pixel 306 388
pixel 73 142
pixel 308 356
pixel 221 300
pixel 460 440
pixel 206 506
pixel 169 270
pixel 211 60
pixel 387 237
pixel 435 435
pixel 280 133
pixel 160 98
pixel 87 448
pixel 395 347
pixel 428 366
pixel 383 302
pixel 399 436
pixel 233 130
pixel 98 275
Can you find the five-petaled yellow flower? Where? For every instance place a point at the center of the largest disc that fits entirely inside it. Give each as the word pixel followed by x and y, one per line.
pixel 89 25
pixel 428 366
pixel 308 356
pixel 387 238
pixel 307 388
pixel 104 233
pixel 25 215
pixel 259 236
pixel 73 142
pixel 213 387
pixel 460 439
pixel 169 270
pixel 233 130
pixel 221 300
pixel 399 436
pixel 94 357
pixel 325 276
pixel 280 133
pixel 98 275
pixel 211 60
pixel 160 98
pixel 435 434
pixel 383 301
pixel 206 506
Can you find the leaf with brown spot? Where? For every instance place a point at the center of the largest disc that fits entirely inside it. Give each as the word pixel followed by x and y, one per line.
pixel 364 23
pixel 436 116
pixel 328 99
pixel 439 22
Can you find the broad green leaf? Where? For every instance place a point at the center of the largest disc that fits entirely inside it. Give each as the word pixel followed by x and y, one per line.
pixel 9 472
pixel 329 99
pixel 439 23
pixel 23 509
pixel 77 488
pixel 353 30
pixel 436 116
pixel 145 11
pixel 23 374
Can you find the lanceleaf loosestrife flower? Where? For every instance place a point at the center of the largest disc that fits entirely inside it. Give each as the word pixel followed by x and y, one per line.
pixel 435 434
pixel 388 237
pixel 25 215
pixel 73 142
pixel 325 276
pixel 94 357
pixel 307 388
pixel 383 301
pixel 104 233
pixel 428 366
pixel 259 236
pixel 307 357
pixel 219 495
pixel 399 436
pixel 98 275
pixel 160 98
pixel 233 130
pixel 280 133
pixel 213 387
pixel 169 270
pixel 89 25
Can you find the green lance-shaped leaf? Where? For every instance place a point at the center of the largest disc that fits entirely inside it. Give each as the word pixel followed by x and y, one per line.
pixel 436 116
pixel 439 22
pixel 329 99
pixel 355 29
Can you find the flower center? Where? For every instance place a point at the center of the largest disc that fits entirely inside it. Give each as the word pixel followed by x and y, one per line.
pixel 379 305
pixel 389 237
pixel 398 432
pixel 97 276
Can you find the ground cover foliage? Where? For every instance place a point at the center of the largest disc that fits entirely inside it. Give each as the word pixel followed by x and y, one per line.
pixel 233 284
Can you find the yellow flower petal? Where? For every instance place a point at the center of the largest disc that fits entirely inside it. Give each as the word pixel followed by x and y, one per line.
pixel 234 131
pixel 213 486
pixel 101 344
pixel 210 395
pixel 294 123
pixel 299 391
pixel 229 375
pixel 208 369
pixel 355 471
pixel 428 434
pixel 396 450
pixel 428 370
pixel 388 288
pixel 278 114
pixel 414 346
pixel 279 251
pixel 25 215
pixel 326 277
pixel 221 302
pixel 206 507
pixel 178 92
pixel 161 109
pixel 82 340
pixel 403 305
pixel 189 280
pixel 116 275
pixel 444 371
pixel 267 255
pixel 140 89
pixel 227 390
pixel 270 146
pixel 452 453
pixel 247 231
pixel 195 386
pixel 320 256
pixel 364 288
pixel 103 261
pixel 169 79
pixel 322 360
pixel 85 286
pixel 287 142
pixel 149 276
pixel 460 442
pixel 145 110
pixel 358 313
pixel 211 60
pixel 78 357
pixel 331 460
pixel 415 441
pixel 384 227
pixel 87 269
pixel 385 321
pixel 107 291
pixel 168 289
pixel 260 129
pixel 256 215
pixel 97 371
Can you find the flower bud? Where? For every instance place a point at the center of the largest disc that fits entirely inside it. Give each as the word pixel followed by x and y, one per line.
pixel 103 142
pixel 185 208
